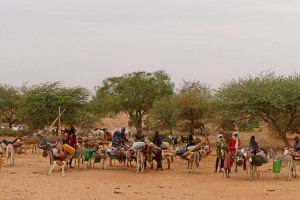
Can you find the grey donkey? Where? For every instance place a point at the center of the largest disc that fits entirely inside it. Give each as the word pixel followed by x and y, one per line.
pixel 288 161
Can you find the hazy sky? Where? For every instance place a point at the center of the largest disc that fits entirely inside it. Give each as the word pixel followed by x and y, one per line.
pixel 82 42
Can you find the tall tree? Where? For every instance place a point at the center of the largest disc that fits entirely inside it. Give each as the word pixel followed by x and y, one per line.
pixel 193 104
pixel 9 103
pixel 162 115
pixel 40 103
pixel 274 99
pixel 132 93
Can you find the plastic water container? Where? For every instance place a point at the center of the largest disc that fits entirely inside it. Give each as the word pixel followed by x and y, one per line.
pixel 86 154
pixel 69 149
pixel 276 166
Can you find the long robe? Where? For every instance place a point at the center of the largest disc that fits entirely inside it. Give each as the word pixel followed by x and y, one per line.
pixel 227 157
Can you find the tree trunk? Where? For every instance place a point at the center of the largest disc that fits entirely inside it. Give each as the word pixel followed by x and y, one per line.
pixel 138 121
pixel 284 139
pixel 10 124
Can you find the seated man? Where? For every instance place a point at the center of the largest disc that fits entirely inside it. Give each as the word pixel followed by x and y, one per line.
pixel 123 138
pixel 297 144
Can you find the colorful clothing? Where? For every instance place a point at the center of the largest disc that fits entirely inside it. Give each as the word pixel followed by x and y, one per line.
pixel 157 141
pixel 253 146
pixel 297 146
pixel 71 140
pixel 116 138
pixel 232 144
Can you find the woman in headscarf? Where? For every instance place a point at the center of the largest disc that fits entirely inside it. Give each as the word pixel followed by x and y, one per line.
pixel 157 141
pixel 158 152
pixel 253 146
pixel 220 144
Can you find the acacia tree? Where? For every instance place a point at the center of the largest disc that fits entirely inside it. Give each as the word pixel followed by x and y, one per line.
pixel 162 115
pixel 9 103
pixel 192 105
pixel 132 93
pixel 274 99
pixel 40 103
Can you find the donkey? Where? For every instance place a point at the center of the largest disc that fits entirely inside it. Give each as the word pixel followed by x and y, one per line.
pixel 288 161
pixel 140 160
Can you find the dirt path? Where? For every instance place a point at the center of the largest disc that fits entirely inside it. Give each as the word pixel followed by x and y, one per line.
pixel 28 180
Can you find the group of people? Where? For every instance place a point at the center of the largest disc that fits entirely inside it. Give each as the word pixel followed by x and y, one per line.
pixel 225 153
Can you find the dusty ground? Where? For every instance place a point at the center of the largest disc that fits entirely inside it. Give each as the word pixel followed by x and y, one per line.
pixel 28 180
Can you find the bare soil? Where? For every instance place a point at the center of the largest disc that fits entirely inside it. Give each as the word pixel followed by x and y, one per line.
pixel 28 179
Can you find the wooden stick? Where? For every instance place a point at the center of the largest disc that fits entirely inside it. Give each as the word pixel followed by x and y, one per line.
pixel 193 149
pixel 54 121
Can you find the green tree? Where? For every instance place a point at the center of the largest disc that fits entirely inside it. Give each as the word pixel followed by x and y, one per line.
pixel 162 115
pixel 9 103
pixel 274 99
pixel 132 93
pixel 193 105
pixel 40 103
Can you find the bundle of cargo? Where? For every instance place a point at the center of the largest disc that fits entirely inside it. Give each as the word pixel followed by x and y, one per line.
pixel 164 145
pixel 138 145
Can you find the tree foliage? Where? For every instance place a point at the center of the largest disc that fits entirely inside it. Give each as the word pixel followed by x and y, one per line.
pixel 132 93
pixel 9 103
pixel 162 115
pixel 192 105
pixel 274 99
pixel 40 103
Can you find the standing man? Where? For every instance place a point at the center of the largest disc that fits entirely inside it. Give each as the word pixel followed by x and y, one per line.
pixel 220 144
pixel 233 145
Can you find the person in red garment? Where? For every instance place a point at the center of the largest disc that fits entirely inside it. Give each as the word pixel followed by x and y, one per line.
pixel 233 145
pixel 71 140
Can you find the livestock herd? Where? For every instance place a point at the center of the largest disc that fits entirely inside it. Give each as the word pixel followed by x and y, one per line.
pixel 91 150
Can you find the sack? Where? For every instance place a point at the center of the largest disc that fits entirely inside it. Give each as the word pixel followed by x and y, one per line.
pixel 164 145
pixel 258 160
pixel 138 145
pixel 179 152
pixel 119 153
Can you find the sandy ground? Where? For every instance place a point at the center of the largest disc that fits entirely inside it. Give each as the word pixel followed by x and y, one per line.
pixel 28 179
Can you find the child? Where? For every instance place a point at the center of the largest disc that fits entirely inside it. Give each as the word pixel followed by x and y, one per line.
pixel 227 156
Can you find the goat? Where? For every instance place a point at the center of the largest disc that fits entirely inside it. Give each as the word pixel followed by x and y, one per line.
pixel 60 159
pixel 58 163
pixel 288 161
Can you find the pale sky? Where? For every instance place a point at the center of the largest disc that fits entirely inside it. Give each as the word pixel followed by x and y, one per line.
pixel 82 42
